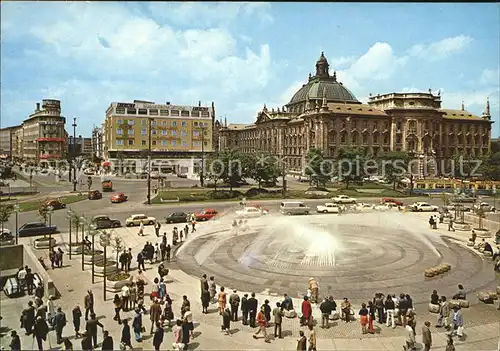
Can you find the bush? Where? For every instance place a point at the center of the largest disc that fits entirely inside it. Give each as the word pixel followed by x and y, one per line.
pixel 223 194
pixel 256 191
pixel 312 188
pixel 118 277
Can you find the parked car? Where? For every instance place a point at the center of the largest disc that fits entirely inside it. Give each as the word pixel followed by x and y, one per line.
pixel 264 210
pixel 36 228
pixel 177 217
pixel 363 207
pixel 7 238
pixel 136 219
pixel 107 186
pixel 423 207
pixel 104 222
pixel 391 201
pixel 205 215
pixel 328 208
pixel 294 208
pixel 95 195
pixel 118 197
pixel 453 206
pixel 56 204
pixel 343 199
pixel 154 175
pixel 89 172
pixel 182 175
pixel 249 212
pixel 485 207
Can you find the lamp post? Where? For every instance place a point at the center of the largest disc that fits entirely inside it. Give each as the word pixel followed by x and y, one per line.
pixel 70 215
pixel 105 241
pixel 93 232
pixel 82 225
pixel 16 210
pixel 74 153
pixel 150 122
pixel 202 171
pixel 494 192
pixel 49 213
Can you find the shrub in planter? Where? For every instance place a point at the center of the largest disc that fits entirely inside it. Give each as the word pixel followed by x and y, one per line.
pixel 118 277
pixel 108 263
pixel 221 195
pixel 44 242
pixel 88 252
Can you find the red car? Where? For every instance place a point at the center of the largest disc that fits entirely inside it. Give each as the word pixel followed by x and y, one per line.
pixel 206 214
pixel 260 207
pixel 118 197
pixel 390 200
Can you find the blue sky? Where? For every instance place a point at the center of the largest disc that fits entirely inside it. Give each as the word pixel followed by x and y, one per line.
pixel 240 55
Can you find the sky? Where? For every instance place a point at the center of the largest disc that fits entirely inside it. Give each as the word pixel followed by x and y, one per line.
pixel 241 55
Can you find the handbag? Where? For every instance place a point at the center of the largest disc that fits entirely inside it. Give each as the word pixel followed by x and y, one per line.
pixel 460 331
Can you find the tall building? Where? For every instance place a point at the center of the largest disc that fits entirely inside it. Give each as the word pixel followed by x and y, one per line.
pixel 97 142
pixel 42 136
pixel 325 114
pixel 177 135
pixel 7 141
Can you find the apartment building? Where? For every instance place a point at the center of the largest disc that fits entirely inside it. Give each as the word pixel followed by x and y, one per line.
pixel 7 141
pixel 176 135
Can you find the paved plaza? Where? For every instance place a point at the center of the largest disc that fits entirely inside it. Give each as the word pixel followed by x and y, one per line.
pixel 380 257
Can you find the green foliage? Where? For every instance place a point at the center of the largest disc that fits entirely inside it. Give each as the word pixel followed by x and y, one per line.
pixel 263 168
pixel 318 169
pixel 394 166
pixel 490 167
pixel 351 165
pixel 229 167
pixel 43 212
pixel 5 212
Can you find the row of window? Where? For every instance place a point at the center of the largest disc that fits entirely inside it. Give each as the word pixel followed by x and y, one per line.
pixel 131 142
pixel 164 123
pixel 156 112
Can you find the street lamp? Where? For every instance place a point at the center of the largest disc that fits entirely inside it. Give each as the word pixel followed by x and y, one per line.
pixel 93 232
pixel 16 210
pixel 494 192
pixel 74 153
pixel 82 225
pixel 70 215
pixel 105 241
pixel 50 209
pixel 202 175
pixel 150 122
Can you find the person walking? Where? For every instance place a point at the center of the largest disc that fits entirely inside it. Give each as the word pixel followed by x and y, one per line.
pixel 77 315
pixel 163 250
pixel 28 318
pixel 168 250
pixel 226 321
pixel 252 310
pixel 129 259
pixel 371 317
pixel 450 225
pixel 187 319
pixel 107 342
pixel 306 312
pixel 314 287
pixel 59 256
pixel 212 288
pixel 390 306
pixel 125 298
pixel 51 310
pixel 117 302
pixel 244 309
pixel 326 310
pixel 234 302
pixel 88 303
pixel 278 319
pixel 126 339
pixel 59 324
pixel 363 318
pixel 157 228
pixel 15 342
pixel 154 314
pixel 261 320
pixel 444 314
pixel 137 325
pixel 140 261
pixel 91 328
pixel 222 299
pixel 86 342
pixel 158 336
pixel 312 338
pixel 133 295
pixel 410 338
pixel 177 336
pixel 458 321
pixel 427 336
pixel 302 342
pixel 205 294
pixel 68 345
pixel 40 331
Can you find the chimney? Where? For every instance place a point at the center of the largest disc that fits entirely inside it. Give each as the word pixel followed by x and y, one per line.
pixel 199 103
pixel 168 102
pixel 38 106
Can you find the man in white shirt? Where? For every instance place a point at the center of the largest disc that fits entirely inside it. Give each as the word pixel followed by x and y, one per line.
pixel 21 277
pixel 51 310
pixel 188 318
pixel 410 338
pixel 125 297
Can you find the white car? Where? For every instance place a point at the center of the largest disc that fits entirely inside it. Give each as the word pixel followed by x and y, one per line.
pixel 485 207
pixel 384 207
pixel 89 171
pixel 363 207
pixel 453 206
pixel 328 208
pixel 136 219
pixel 424 207
pixel 344 199
pixel 250 212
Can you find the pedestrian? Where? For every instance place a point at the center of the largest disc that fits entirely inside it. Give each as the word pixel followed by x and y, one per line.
pixel 458 321
pixel 162 288
pixel 91 328
pixel 28 318
pixel 163 251
pixel 449 344
pixel 326 310
pixel 301 342
pixel 126 339
pixel 226 321
pixel 177 336
pixel 244 309
pixel 186 231
pixel 117 302
pixel 21 277
pixel 154 314
pixel 261 320
pixel 52 258
pixel 390 306
pixel 267 312
pixel 186 330
pixel 129 259
pixel 137 325
pixel 168 250
pixel 379 306
pixel 193 224
pixel 107 342
pixel 86 342
pixel 221 298
pixel 306 312
pixel 59 324
pixel 124 261
pixel 157 252
pixel 77 314
pixel 426 336
pixel 314 287
pixel 278 319
pixel 450 225
pixel 125 298
pixel 39 291
pixel 252 310
pixel 371 317
pixel 212 288
pixel 157 228
pixel 60 254
pixel 141 229
pixel 40 331
pixel 133 295
pixel 410 338
pixel 158 337
pixel 15 342
pixel 205 294
pixel 88 303
pixel 187 319
pixel 363 318
pixel 140 261
pixel 29 281
pixel 51 310
pixel 68 345
pixel 444 313
pixel 234 302
pixel 312 338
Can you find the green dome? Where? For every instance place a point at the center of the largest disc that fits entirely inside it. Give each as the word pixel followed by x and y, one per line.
pixel 333 90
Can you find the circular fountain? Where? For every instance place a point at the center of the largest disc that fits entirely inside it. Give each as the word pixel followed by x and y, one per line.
pixel 353 255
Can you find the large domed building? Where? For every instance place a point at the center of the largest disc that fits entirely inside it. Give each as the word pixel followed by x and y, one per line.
pixel 325 114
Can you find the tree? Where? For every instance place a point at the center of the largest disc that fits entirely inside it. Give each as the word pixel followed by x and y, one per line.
pixel 231 167
pixel 481 215
pixel 490 167
pixel 215 170
pixel 264 168
pixel 394 166
pixel 118 246
pixel 351 161
pixel 5 212
pixel 75 222
pixel 120 156
pixel 318 169
pixel 43 212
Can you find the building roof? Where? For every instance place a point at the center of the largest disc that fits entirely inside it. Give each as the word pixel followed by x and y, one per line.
pixel 460 114
pixel 355 109
pixel 236 126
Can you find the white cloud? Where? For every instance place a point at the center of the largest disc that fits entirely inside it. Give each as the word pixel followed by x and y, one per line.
pixel 289 92
pixel 338 62
pixel 490 77
pixel 441 49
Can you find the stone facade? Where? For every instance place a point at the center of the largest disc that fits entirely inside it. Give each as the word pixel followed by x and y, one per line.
pixel 326 115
